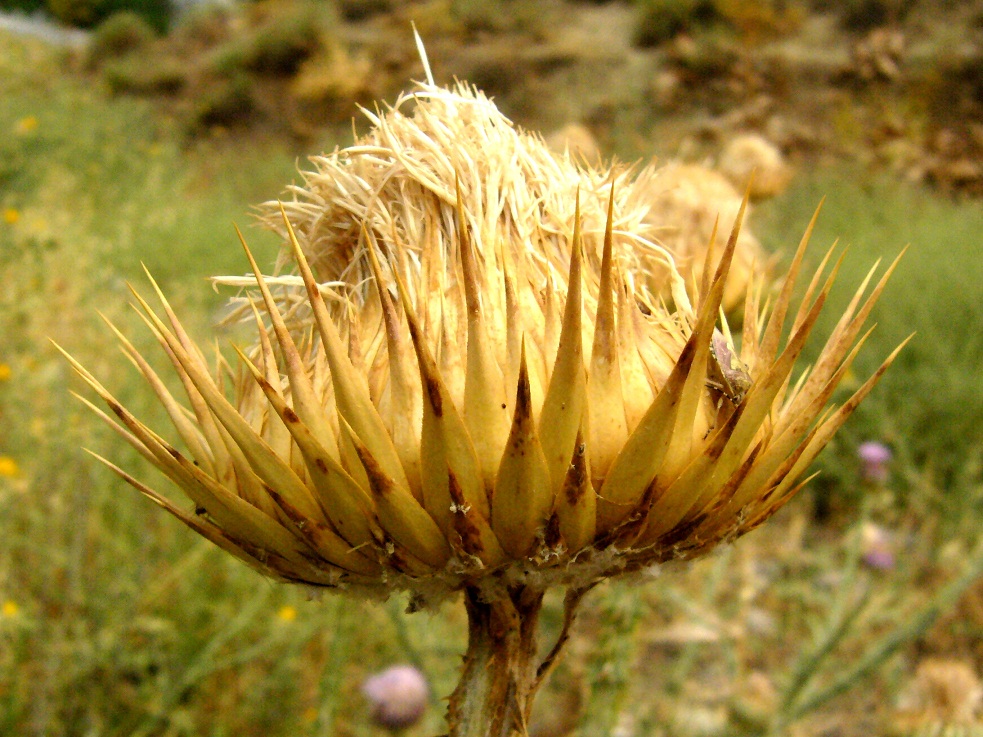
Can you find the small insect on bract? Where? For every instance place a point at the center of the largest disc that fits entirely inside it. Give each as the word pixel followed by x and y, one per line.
pixel 726 373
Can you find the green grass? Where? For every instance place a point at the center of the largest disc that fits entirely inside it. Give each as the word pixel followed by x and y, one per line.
pixel 114 620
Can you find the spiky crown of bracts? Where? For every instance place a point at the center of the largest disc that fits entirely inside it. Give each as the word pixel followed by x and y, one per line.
pixel 467 383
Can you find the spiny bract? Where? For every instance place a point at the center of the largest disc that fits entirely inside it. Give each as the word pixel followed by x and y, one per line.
pixel 468 380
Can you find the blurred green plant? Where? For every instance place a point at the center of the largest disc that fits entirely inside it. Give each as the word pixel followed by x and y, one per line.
pixel 251 74
pixel 119 35
pixel 90 13
pixel 132 74
pixel 277 42
pixel 931 408
pixel 224 102
pixel 24 6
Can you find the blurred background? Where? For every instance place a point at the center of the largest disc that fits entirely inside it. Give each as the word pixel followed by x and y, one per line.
pixel 139 131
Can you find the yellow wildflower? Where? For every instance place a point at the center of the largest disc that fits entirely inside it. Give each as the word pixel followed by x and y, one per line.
pixel 26 125
pixel 287 613
pixel 8 467
pixel 9 609
pixel 4 371
pixel 11 216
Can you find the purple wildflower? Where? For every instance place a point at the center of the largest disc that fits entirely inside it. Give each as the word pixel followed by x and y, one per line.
pixel 398 696
pixel 874 458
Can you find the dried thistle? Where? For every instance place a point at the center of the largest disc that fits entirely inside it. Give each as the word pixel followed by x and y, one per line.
pixel 466 384
pixel 686 201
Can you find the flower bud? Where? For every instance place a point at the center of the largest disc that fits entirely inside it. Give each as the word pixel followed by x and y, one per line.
pixel 398 696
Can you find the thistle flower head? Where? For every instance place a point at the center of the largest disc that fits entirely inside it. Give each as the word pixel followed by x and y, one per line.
pixel 463 377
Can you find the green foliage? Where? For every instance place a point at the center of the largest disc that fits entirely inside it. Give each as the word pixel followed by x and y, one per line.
pixel 255 72
pixel 620 613
pixel 23 6
pixel 90 13
pixel 275 46
pixel 281 46
pixel 120 34
pixel 225 102
pixel 132 74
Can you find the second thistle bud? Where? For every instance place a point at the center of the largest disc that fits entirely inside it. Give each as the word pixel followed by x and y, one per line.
pixel 398 696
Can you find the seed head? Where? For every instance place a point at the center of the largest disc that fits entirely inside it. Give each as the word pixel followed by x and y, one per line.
pixel 463 375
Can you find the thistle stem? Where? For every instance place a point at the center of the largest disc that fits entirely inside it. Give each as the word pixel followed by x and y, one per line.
pixel 495 694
